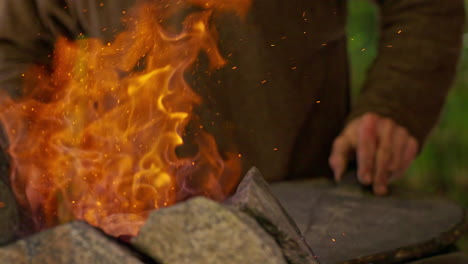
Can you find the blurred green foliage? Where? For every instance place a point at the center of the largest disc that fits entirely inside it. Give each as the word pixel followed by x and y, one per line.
pixel 442 167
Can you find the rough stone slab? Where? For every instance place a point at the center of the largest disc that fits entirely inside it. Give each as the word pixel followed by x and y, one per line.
pixel 254 197
pixel 72 243
pixel 201 231
pixel 344 224
pixel 452 258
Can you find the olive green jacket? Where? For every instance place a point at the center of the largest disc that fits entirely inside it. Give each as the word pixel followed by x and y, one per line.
pixel 289 95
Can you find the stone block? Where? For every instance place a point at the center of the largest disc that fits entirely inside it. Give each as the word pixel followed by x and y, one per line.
pixel 347 224
pixel 72 243
pixel 201 231
pixel 254 197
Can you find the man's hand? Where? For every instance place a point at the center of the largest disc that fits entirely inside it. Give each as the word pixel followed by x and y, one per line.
pixel 384 151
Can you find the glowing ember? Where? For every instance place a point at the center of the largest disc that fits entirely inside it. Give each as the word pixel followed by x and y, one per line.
pixel 96 138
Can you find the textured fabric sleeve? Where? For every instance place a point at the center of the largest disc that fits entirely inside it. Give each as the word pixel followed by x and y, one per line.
pixel 419 47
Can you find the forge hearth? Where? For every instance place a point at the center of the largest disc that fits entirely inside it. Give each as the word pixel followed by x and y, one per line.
pixel 251 227
pixel 342 224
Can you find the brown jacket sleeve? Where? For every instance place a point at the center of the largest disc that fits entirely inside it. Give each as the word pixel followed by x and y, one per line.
pixel 28 29
pixel 419 47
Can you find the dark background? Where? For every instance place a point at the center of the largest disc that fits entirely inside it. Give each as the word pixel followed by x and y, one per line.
pixel 442 167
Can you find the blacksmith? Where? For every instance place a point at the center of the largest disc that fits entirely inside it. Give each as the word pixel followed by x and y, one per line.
pixel 284 98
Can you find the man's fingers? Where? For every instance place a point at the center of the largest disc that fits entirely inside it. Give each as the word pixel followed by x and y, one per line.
pixel 384 157
pixel 400 142
pixel 410 153
pixel 366 148
pixel 342 148
pixel 384 149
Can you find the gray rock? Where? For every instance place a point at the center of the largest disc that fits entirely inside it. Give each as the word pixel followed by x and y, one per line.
pixel 347 224
pixel 72 243
pixel 201 231
pixel 254 197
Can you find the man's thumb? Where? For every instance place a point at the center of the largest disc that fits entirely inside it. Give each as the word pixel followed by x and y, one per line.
pixel 342 147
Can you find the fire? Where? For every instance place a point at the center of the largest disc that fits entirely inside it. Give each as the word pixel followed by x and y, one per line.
pixel 95 138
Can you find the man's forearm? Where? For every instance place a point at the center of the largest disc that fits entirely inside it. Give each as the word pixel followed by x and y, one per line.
pixel 419 48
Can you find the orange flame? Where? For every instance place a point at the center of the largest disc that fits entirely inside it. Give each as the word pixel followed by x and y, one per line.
pixel 96 138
